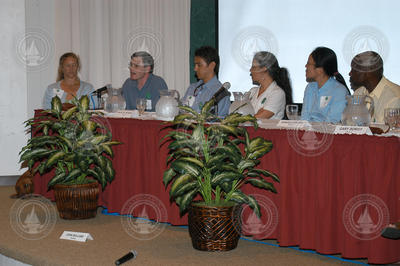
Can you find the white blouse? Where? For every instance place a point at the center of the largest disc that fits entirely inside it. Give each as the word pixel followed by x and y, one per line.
pixel 272 99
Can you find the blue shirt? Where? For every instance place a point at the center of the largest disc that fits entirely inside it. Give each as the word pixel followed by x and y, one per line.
pixel 55 89
pixel 203 92
pixel 325 104
pixel 154 84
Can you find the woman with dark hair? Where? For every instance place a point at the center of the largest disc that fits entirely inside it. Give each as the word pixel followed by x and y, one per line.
pixel 68 85
pixel 274 91
pixel 325 95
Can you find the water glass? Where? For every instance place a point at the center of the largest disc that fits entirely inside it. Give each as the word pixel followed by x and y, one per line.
pixel 392 117
pixel 292 112
pixel 141 105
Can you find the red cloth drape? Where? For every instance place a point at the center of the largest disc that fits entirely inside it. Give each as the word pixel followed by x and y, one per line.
pixel 312 194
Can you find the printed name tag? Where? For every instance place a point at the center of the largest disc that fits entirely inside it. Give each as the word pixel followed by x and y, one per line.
pixel 293 123
pixel 58 92
pixel 352 130
pixel 324 100
pixel 190 100
pixel 76 236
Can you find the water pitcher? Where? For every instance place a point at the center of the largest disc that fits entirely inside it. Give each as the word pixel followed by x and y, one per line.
pixel 167 105
pixel 358 111
pixel 115 101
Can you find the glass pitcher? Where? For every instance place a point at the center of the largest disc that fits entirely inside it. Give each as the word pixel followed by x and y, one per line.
pixel 115 101
pixel 167 105
pixel 241 104
pixel 358 111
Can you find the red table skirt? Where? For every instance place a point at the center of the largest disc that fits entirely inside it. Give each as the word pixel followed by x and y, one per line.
pixel 322 202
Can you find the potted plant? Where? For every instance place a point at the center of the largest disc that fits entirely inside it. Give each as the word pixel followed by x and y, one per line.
pixel 211 162
pixel 77 147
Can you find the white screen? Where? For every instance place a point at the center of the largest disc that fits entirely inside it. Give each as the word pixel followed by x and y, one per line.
pixel 291 29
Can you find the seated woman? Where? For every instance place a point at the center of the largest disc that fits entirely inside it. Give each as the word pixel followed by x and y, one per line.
pixel 68 84
pixel 325 95
pixel 274 91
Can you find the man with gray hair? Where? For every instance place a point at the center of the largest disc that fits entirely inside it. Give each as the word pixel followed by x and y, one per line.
pixel 142 83
pixel 366 78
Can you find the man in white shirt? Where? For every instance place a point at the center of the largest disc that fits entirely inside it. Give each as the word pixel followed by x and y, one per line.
pixel 366 78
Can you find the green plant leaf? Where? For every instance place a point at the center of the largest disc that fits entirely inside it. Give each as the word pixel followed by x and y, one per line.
pixel 259 152
pixel 181 117
pixel 101 177
pixel 259 172
pixel 255 144
pixel 184 189
pixel 66 141
pixel 241 198
pixel 68 114
pixel 179 144
pixel 168 176
pixel 188 109
pixel 244 164
pixel 54 158
pixel 99 139
pixel 225 177
pixel 107 149
pixel 28 154
pixel 184 201
pixel 58 179
pixel 231 152
pixel 183 167
pixel 192 160
pixel 261 183
pixel 56 105
pixel 206 108
pixel 179 182
pixel 71 175
pixel 84 103
pixel 109 171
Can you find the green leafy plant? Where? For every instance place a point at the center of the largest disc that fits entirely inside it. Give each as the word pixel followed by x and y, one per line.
pixel 214 159
pixel 72 142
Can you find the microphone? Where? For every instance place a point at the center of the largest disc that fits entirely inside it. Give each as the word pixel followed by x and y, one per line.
pixel 131 255
pixel 222 92
pixel 99 91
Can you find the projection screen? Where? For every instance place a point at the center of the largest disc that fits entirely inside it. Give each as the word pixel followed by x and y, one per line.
pixel 291 29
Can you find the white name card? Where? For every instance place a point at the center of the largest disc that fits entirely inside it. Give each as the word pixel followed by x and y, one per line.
pixel 352 130
pixel 76 236
pixel 293 123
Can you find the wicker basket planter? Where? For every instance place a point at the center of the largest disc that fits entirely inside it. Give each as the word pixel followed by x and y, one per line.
pixel 77 201
pixel 214 228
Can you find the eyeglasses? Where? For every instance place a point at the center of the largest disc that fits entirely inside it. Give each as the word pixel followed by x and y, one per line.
pixel 130 65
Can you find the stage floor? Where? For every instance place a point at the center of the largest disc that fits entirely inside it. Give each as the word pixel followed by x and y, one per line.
pixel 114 236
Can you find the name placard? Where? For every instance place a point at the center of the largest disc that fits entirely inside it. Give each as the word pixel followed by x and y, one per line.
pixel 352 130
pixel 293 123
pixel 76 236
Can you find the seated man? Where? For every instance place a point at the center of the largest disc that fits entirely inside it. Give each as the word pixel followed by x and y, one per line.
pixel 142 83
pixel 366 78
pixel 206 66
pixel 325 95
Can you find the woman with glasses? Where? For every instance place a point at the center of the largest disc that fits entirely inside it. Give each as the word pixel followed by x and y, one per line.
pixel 274 91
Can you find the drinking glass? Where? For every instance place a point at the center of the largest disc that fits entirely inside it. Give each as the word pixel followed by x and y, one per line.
pixel 292 111
pixel 392 117
pixel 141 105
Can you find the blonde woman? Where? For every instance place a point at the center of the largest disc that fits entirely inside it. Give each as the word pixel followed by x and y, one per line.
pixel 68 85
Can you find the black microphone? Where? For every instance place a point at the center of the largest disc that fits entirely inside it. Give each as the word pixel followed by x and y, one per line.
pixel 99 91
pixel 131 255
pixel 222 92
